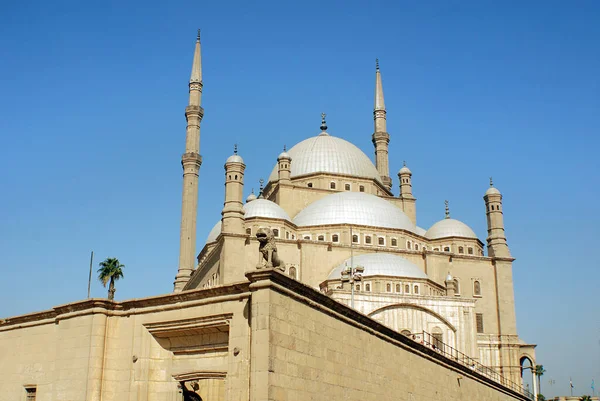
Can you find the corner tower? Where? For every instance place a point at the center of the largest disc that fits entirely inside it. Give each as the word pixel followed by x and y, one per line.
pixel 381 138
pixel 496 240
pixel 191 162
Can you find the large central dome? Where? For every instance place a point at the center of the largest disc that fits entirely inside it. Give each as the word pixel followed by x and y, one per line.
pixel 327 154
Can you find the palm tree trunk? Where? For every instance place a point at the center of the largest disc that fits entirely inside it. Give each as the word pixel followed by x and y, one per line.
pixel 111 290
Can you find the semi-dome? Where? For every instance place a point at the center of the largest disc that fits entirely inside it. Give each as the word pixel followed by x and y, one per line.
pixel 265 208
pixel 328 154
pixel 214 232
pixel 354 208
pixel 449 228
pixel 381 264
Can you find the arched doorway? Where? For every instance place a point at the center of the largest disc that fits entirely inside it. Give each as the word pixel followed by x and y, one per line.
pixel 527 366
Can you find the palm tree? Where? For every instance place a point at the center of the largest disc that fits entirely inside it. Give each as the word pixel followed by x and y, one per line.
pixel 539 371
pixel 110 270
pixel 585 398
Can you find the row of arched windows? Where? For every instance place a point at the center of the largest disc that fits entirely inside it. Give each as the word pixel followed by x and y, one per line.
pixel 333 185
pixel 476 287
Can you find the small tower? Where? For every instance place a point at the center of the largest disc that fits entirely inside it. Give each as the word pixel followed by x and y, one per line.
pixel 409 202
pixel 450 285
pixel 190 161
pixel 251 197
pixel 496 240
pixel 284 165
pixel 381 138
pixel 233 210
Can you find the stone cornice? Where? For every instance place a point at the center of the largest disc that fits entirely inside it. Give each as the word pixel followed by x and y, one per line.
pixel 129 307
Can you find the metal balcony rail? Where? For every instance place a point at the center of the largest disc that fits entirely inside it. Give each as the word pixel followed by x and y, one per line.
pixel 430 340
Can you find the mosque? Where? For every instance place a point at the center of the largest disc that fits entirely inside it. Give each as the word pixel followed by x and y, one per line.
pixel 329 233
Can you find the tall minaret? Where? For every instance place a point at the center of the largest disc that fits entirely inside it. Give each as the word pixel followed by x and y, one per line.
pixel 381 138
pixel 190 161
pixel 496 240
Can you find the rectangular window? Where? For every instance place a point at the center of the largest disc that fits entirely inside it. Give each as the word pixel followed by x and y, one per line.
pixel 30 393
pixel 479 321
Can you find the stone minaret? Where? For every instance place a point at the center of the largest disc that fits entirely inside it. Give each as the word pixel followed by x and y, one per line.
pixel 284 167
pixel 190 161
pixel 232 261
pixel 496 240
pixel 381 138
pixel 409 202
pixel 233 208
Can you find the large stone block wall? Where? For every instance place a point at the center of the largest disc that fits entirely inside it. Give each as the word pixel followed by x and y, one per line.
pixel 318 349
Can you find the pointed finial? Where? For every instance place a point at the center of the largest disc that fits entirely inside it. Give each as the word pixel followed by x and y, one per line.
pixel 235 148
pixel 491 182
pixel 323 123
pixel 198 37
pixel 284 148
pixel 404 161
pixel 260 192
pixel 377 64
pixel 447 209
pixel 252 191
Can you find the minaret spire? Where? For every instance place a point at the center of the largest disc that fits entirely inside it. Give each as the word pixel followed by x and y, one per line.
pixel 381 138
pixel 447 209
pixel 191 162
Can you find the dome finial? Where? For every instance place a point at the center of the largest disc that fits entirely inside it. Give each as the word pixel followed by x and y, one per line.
pixel 260 192
pixel 198 37
pixel 323 123
pixel 404 162
pixel 284 148
pixel 491 182
pixel 447 209
pixel 235 148
pixel 377 64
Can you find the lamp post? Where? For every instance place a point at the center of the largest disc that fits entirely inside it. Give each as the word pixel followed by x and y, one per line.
pixel 352 274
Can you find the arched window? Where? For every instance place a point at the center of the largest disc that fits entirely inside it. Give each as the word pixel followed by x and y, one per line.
pixel 332 185
pixel 249 231
pixel 416 247
pixel 456 287
pixel 335 238
pixel 368 287
pixel 416 289
pixel 361 188
pixel 381 241
pixel 388 287
pixel 407 289
pixel 357 287
pixel 405 332
pixel 436 249
pixel 394 242
pixel 287 235
pixel 408 245
pixel 470 251
pixel 347 187
pixel 367 239
pixel 477 288
pixel 307 237
pixel 309 185
pixel 276 232
pixel 437 340
pixel 355 239
pixel 446 249
pixel 398 288
pixel 461 249
pixel 321 238
pixel 292 272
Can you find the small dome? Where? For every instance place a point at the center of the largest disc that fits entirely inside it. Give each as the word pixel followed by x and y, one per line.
pixel 328 154
pixel 449 277
pixel 251 197
pixel 214 232
pixel 404 170
pixel 381 264
pixel 354 208
pixel 492 191
pixel 265 208
pixel 235 159
pixel 449 228
pixel 284 155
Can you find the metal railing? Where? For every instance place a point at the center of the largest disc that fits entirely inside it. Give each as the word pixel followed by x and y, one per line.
pixel 429 340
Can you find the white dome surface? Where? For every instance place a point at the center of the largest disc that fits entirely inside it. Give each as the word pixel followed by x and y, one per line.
pixel 382 264
pixel 420 231
pixel 492 191
pixel 449 228
pixel 214 232
pixel 354 208
pixel 328 154
pixel 235 159
pixel 265 208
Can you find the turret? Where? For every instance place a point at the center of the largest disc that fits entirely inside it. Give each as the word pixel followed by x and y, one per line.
pixel 190 161
pixel 450 285
pixel 496 240
pixel 409 202
pixel 284 166
pixel 233 211
pixel 381 138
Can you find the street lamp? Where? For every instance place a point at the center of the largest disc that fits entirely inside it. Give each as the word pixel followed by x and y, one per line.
pixel 352 274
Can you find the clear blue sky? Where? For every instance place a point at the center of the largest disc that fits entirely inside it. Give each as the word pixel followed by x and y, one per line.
pixel 92 96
